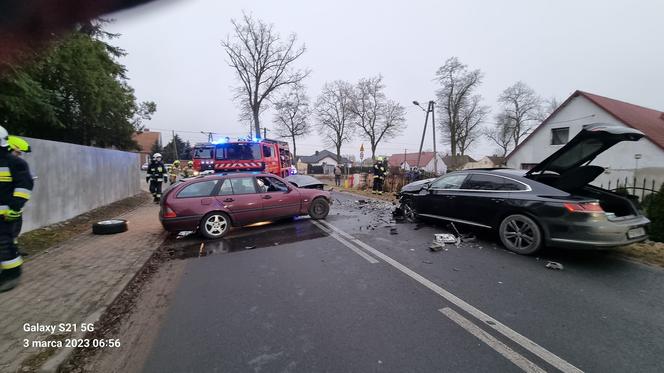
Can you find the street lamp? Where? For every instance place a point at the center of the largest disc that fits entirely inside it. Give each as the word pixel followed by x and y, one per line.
pixel 429 109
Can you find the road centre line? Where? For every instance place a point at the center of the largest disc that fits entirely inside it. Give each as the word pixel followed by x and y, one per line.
pixel 524 342
pixel 357 251
pixel 513 356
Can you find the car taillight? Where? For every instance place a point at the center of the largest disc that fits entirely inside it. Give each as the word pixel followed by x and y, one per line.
pixel 590 207
pixel 169 213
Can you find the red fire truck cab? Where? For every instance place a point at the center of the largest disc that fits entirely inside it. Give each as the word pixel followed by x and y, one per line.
pixel 263 155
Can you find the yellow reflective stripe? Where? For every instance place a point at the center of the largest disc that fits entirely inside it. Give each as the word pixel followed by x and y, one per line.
pixel 9 264
pixel 6 179
pixel 5 175
pixel 4 209
pixel 22 193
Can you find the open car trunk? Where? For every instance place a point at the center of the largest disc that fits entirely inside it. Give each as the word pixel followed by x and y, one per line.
pixel 569 169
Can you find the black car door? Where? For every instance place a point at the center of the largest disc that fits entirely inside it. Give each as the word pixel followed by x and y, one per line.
pixel 485 198
pixel 440 197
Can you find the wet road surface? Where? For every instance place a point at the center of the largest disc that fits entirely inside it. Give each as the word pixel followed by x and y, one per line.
pixel 348 294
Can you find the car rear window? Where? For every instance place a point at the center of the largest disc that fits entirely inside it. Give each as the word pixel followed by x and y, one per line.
pixel 201 189
pixel 491 182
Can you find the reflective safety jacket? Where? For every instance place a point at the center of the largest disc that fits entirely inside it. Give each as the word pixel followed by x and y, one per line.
pixel 379 170
pixel 15 182
pixel 156 171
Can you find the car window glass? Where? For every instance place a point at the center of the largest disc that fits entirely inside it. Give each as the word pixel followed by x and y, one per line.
pixel 449 182
pixel 226 188
pixel 243 185
pixel 267 151
pixel 512 185
pixel 202 189
pixel 270 185
pixel 579 151
pixel 483 182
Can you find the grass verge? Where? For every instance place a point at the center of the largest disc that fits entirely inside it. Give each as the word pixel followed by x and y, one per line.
pixel 648 252
pixel 41 239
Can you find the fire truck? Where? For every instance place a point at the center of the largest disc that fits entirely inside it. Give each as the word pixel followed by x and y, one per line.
pixel 243 155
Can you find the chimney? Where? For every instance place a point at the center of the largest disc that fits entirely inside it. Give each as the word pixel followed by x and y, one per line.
pixel 316 152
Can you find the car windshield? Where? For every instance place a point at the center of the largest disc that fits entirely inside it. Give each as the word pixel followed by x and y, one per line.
pixel 203 153
pixel 238 152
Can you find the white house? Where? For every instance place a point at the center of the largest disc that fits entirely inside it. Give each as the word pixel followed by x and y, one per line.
pixel 324 158
pixel 489 161
pixel 427 162
pixel 625 161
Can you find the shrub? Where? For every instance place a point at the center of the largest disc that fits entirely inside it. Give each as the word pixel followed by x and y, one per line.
pixel 656 215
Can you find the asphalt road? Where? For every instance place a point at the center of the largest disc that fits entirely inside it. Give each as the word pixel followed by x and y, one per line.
pixel 348 296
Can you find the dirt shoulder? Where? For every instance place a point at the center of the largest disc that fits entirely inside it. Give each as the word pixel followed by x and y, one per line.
pixel 387 196
pixel 648 252
pixel 38 240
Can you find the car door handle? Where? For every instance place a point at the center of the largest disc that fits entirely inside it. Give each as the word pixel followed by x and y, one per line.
pixel 229 200
pixel 267 197
pixel 450 197
pixel 497 200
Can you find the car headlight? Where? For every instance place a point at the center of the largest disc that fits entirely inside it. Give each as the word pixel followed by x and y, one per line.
pixel 196 173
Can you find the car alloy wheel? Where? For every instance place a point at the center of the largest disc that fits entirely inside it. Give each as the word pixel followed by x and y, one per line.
pixel 520 234
pixel 409 212
pixel 215 225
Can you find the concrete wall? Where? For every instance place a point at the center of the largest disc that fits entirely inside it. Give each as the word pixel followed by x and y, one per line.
pixel 619 160
pixel 74 179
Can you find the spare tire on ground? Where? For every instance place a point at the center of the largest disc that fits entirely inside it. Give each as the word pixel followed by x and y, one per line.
pixel 111 226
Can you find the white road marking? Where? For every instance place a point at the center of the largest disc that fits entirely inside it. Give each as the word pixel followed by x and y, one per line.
pixel 357 251
pixel 513 356
pixel 524 342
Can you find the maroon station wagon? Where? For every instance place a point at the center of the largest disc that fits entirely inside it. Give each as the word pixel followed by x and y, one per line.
pixel 214 203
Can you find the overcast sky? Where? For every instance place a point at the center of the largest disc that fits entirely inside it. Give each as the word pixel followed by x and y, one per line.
pixel 611 48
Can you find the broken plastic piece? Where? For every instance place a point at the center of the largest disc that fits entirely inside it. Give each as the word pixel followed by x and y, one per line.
pixel 444 238
pixel 554 265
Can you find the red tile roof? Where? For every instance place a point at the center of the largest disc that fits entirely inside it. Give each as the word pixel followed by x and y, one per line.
pixel 648 121
pixel 146 139
pixel 395 160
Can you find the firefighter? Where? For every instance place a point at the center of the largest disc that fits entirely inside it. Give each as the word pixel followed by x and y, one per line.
pixel 189 170
pixel 174 171
pixel 379 172
pixel 156 176
pixel 15 190
pixel 18 147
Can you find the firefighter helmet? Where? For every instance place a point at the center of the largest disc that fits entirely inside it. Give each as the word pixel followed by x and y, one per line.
pixel 176 162
pixel 156 155
pixel 18 144
pixel 190 163
pixel 3 137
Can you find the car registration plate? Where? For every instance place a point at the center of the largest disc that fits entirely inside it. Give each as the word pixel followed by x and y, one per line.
pixel 636 232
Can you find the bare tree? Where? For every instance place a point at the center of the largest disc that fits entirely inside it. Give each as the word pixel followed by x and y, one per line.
pixel 501 133
pixel 524 107
pixel 548 107
pixel 456 100
pixel 292 114
pixel 262 61
pixel 333 114
pixel 472 115
pixel 372 115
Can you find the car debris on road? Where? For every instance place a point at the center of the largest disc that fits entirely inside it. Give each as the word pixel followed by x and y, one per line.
pixel 554 265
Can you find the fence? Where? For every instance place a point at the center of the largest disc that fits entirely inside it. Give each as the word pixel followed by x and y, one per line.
pixel 74 179
pixel 639 188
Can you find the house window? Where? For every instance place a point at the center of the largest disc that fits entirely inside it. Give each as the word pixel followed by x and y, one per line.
pixel 559 136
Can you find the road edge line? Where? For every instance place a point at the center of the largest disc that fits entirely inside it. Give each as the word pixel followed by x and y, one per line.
pixel 524 342
pixel 511 355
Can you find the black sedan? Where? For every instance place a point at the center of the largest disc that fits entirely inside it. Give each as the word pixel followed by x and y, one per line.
pixel 553 204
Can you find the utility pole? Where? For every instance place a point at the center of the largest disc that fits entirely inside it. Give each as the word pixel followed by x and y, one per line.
pixel 175 148
pixel 433 128
pixel 209 135
pixel 265 132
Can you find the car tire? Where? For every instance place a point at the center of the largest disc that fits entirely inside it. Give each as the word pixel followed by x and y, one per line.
pixel 215 225
pixel 319 209
pixel 520 234
pixel 111 226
